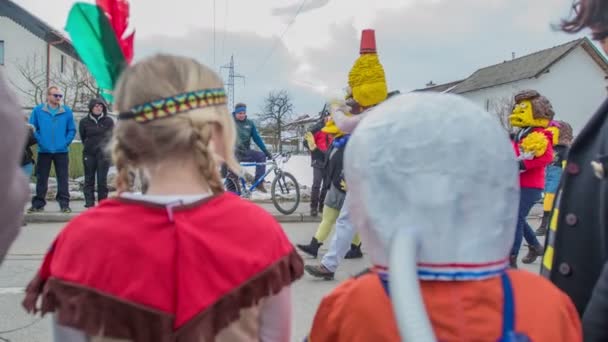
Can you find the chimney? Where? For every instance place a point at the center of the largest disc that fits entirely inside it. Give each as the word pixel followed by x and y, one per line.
pixel 430 84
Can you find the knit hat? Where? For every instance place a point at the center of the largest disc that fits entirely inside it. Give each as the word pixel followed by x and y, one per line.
pixel 239 107
pixel 366 78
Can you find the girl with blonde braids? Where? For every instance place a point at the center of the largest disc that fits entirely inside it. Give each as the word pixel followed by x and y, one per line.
pixel 171 264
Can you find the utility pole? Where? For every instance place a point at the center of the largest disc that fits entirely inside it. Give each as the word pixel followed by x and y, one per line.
pixel 230 84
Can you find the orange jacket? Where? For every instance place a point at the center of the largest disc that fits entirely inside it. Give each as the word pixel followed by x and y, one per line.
pixel 360 310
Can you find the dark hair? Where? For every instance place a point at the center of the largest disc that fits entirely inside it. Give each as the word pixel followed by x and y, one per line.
pixel 591 14
pixel 541 107
pixel 240 104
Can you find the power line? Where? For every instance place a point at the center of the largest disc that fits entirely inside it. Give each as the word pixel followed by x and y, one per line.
pixel 213 33
pixel 225 27
pixel 293 19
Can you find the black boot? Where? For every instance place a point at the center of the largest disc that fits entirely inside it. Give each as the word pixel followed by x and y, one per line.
pixel 544 224
pixel 354 252
pixel 311 249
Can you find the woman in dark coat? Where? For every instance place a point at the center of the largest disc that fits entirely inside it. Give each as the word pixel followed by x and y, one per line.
pixel 577 241
pixel 95 131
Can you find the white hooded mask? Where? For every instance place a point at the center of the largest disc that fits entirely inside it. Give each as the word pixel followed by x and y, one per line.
pixel 435 192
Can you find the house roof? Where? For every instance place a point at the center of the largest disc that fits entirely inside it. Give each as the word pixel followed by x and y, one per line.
pixel 528 66
pixel 37 27
pixel 302 120
pixel 440 87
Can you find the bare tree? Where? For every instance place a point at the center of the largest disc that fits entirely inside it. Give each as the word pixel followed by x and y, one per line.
pixel 76 83
pixel 34 75
pixel 502 108
pixel 276 112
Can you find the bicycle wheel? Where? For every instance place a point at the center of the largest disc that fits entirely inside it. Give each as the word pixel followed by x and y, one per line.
pixel 232 185
pixel 285 193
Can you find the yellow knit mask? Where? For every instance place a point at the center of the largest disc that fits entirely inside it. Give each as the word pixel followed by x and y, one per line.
pixel 366 78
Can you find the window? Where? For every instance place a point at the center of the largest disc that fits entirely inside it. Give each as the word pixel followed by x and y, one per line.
pixel 1 52
pixel 62 66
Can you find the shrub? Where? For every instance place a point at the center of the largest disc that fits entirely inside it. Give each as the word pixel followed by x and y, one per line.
pixel 76 168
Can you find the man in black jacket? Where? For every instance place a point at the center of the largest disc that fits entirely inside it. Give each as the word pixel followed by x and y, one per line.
pixel 577 241
pixel 318 142
pixel 95 131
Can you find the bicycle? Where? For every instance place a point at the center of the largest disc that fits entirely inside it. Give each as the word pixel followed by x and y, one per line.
pixel 284 185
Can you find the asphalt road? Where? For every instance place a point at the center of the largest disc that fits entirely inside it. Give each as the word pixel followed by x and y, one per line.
pixel 26 254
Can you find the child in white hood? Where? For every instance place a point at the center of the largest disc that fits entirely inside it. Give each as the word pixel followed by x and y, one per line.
pixel 436 188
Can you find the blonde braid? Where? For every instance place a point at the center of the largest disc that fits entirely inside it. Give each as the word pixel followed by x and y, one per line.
pixel 201 136
pixel 122 167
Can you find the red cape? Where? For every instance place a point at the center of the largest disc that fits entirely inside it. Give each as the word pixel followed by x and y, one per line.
pixel 190 269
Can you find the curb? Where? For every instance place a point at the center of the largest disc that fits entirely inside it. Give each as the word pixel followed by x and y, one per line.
pixel 63 218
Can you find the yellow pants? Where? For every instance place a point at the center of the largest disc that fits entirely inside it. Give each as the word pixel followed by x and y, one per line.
pixel 328 221
pixel 548 202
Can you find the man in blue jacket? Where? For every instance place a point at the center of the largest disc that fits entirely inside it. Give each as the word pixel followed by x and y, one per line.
pixel 54 130
pixel 246 131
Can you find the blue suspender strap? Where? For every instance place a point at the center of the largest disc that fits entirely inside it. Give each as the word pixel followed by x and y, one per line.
pixel 508 314
pixel 384 281
pixel 508 311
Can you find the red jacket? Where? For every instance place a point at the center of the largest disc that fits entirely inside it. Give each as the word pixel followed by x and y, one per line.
pixel 533 173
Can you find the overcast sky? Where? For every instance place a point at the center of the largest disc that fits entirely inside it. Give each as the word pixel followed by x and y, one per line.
pixel 418 40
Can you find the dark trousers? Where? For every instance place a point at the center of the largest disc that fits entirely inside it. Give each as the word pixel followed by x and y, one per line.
pixel 96 165
pixel 317 192
pixel 527 198
pixel 253 156
pixel 43 170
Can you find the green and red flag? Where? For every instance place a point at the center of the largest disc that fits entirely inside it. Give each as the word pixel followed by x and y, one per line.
pixel 99 35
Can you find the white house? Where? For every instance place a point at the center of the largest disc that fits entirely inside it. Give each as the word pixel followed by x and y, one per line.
pixel 33 55
pixel 573 76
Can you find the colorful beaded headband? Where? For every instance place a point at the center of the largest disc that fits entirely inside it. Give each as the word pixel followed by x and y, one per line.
pixel 170 106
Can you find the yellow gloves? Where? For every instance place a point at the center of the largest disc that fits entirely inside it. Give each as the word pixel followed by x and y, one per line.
pixel 311 141
pixel 343 185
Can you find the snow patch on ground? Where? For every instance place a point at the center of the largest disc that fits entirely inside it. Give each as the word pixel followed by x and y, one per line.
pixel 298 166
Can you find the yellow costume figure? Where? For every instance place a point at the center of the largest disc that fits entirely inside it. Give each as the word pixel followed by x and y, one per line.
pixel 533 147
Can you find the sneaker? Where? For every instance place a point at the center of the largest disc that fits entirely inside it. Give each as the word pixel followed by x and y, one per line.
pixel 35 210
pixel 319 271
pixel 66 210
